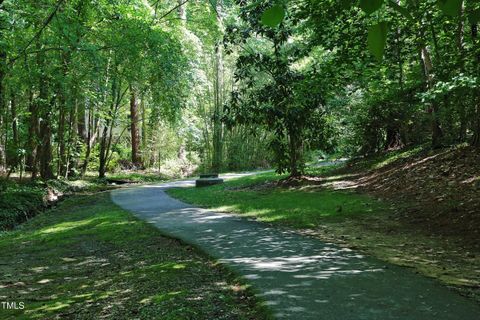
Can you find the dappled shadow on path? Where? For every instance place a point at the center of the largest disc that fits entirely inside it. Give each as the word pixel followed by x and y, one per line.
pixel 298 276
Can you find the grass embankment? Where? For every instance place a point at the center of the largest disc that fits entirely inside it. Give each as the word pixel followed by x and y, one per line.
pixel 18 202
pixel 21 200
pixel 392 206
pixel 88 259
pixel 257 196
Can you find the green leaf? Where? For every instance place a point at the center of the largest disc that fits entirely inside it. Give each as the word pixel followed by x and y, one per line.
pixel 273 16
pixel 404 12
pixel 474 16
pixel 377 39
pixel 451 7
pixel 370 6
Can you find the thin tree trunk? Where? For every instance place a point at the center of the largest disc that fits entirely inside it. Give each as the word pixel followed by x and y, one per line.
pixel 104 140
pixel 71 162
pixel 476 53
pixel 437 133
pixel 144 128
pixel 44 149
pixel 31 162
pixel 103 150
pixel 62 104
pixel 45 135
pixel 91 137
pixel 135 135
pixel 62 157
pixel 107 134
pixel 218 100
pixel 3 164
pixel 462 134
pixel 81 128
pixel 13 112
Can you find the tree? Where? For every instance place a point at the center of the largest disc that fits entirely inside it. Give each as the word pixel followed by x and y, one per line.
pixel 272 92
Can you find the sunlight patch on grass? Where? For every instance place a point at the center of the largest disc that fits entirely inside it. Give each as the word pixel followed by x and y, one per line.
pixel 52 306
pixel 250 196
pixel 66 226
pixel 394 156
pixel 166 296
pixel 163 267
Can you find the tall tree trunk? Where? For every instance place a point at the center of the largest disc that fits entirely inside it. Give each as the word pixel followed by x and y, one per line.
pixel 81 127
pixel 398 46
pixel 71 162
pixel 102 168
pixel 106 138
pixel 13 112
pixel 93 132
pixel 62 156
pixel 44 149
pixel 3 158
pixel 476 54
pixel 45 135
pixel 218 100
pixel 462 108
pixel 394 136
pixel 144 125
pixel 427 70
pixel 89 146
pixel 135 134
pixel 436 130
pixel 32 141
pixel 62 104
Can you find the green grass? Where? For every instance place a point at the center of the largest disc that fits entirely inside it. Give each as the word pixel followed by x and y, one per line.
pixel 293 207
pixel 89 259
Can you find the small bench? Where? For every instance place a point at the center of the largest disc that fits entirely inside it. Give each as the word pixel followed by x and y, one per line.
pixel 208 180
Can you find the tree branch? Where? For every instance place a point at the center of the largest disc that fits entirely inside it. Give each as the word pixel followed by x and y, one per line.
pixel 39 32
pixel 171 10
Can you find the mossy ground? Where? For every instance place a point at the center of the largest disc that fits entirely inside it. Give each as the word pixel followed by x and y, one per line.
pixel 88 259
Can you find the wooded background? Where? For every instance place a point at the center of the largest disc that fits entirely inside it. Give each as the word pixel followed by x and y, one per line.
pixel 228 85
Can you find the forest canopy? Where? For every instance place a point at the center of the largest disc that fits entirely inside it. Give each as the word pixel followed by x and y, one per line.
pixel 201 85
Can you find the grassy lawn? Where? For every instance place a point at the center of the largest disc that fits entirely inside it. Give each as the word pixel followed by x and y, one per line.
pixel 89 259
pixel 254 196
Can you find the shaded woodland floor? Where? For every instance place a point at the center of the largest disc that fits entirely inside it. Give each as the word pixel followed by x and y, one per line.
pixel 434 219
pixel 88 259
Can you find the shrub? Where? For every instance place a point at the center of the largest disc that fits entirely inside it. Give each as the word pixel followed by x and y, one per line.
pixel 19 202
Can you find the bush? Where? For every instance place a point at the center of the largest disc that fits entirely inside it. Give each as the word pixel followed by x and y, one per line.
pixel 19 202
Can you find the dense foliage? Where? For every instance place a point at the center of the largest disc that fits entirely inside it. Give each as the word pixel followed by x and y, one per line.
pixel 230 85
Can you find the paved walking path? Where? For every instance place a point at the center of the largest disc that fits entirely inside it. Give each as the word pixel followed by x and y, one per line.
pixel 299 277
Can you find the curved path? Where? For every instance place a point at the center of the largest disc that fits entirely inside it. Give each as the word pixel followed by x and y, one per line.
pixel 299 277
